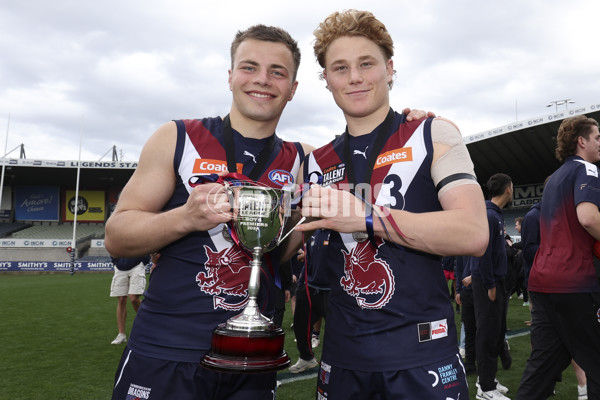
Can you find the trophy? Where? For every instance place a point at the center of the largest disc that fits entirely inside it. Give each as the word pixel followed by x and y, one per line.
pixel 250 342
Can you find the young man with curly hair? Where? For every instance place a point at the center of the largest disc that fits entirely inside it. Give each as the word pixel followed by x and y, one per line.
pixel 393 196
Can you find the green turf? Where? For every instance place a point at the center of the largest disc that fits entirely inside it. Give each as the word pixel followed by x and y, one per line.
pixel 55 333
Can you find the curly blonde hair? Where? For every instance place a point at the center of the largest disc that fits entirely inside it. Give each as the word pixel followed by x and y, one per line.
pixel 568 132
pixel 351 23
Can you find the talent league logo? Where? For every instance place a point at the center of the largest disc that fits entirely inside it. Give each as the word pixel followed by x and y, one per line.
pixel 367 275
pixel 227 273
pixel 333 174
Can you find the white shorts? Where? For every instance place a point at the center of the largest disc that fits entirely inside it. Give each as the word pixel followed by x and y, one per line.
pixel 128 282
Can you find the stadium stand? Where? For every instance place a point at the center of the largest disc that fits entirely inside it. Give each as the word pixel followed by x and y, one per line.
pixel 9 228
pixel 64 231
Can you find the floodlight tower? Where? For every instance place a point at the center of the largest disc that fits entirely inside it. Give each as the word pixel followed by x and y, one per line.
pixel 557 103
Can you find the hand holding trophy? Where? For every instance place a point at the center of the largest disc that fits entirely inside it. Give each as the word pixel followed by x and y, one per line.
pixel 250 342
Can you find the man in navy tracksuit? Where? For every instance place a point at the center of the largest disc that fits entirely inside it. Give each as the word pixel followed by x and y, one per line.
pixel 464 297
pixel 489 294
pixel 530 237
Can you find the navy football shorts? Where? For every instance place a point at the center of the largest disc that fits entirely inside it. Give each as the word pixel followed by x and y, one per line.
pixel 140 377
pixel 445 379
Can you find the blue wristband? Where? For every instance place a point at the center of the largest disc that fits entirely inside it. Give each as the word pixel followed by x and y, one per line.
pixel 369 223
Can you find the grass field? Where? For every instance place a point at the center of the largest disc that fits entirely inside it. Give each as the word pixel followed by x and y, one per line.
pixel 55 333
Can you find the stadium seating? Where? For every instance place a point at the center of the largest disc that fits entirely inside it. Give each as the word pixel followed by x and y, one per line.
pixel 8 228
pixel 65 231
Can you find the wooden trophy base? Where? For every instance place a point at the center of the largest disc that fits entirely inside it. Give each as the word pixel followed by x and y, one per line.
pixel 246 351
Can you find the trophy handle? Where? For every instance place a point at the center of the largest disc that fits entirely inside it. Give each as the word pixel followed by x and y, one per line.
pixel 291 230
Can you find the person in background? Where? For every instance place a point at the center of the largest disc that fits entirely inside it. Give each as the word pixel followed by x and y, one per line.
pixel 449 266
pixel 564 288
pixel 129 281
pixel 464 298
pixel 312 295
pixel 296 263
pixel 530 242
pixel 489 293
pixel 519 286
pixel 282 294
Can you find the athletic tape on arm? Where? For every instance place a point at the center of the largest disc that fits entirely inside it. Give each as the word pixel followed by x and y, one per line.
pixel 454 167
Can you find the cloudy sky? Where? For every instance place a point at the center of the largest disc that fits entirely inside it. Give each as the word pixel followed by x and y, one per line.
pixel 110 72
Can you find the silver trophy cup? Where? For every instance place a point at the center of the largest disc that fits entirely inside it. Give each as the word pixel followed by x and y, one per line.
pixel 250 342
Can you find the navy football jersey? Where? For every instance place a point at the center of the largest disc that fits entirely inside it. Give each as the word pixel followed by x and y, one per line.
pixel 389 306
pixel 564 261
pixel 201 280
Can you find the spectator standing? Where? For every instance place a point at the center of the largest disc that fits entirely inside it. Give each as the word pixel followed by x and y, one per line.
pixel 129 281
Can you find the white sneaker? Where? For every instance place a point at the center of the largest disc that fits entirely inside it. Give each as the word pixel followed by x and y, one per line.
pixel 499 387
pixel 462 352
pixel 582 392
pixel 121 338
pixel 521 296
pixel 490 395
pixel 314 342
pixel 303 365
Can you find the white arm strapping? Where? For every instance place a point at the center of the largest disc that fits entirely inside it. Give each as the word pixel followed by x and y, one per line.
pixel 455 161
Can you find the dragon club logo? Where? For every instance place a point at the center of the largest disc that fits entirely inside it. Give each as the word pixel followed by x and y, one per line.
pixel 367 278
pixel 227 274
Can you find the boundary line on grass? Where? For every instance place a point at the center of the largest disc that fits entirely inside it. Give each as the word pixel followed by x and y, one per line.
pixel 288 377
pixel 518 332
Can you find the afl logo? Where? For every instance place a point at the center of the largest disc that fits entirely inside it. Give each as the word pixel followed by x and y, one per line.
pixel 281 177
